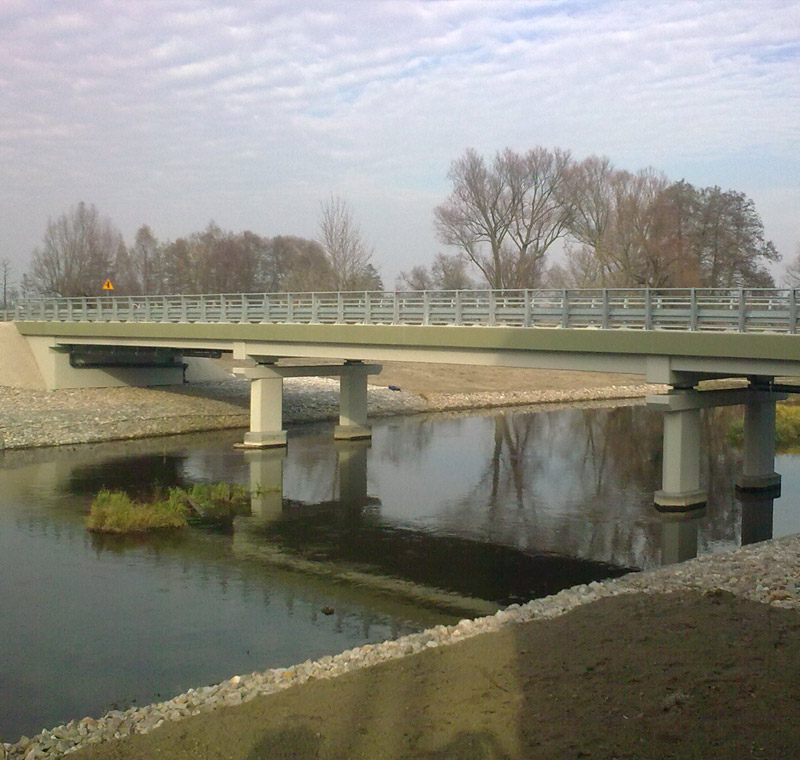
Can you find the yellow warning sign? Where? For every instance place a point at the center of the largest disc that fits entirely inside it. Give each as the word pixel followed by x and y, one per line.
pixel 108 285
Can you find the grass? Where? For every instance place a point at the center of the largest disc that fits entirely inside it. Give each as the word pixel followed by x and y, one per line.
pixel 116 512
pixel 787 428
pixel 203 503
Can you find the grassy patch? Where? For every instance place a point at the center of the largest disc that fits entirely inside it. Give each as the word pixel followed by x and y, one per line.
pixel 116 512
pixel 212 504
pixel 787 428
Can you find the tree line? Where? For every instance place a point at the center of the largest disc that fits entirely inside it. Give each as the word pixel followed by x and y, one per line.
pixel 531 219
pixel 82 248
pixel 615 228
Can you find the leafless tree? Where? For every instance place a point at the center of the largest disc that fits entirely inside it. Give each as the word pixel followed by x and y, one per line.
pixel 446 273
pixel 505 217
pixel 6 269
pixel 77 254
pixel 791 277
pixel 349 255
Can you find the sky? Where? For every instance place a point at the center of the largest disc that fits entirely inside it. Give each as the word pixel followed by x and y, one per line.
pixel 173 113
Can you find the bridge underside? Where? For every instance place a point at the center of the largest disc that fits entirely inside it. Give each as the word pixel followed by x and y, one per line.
pixel 678 359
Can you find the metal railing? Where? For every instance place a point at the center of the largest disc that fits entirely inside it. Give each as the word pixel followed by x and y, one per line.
pixel 695 309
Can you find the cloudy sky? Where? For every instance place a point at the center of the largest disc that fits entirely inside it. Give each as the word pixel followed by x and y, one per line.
pixel 177 112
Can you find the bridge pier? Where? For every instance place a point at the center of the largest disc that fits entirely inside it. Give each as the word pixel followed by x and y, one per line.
pixel 681 457
pixel 266 400
pixel 680 477
pixel 758 460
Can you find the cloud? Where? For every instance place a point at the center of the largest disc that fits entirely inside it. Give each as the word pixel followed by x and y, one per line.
pixel 243 111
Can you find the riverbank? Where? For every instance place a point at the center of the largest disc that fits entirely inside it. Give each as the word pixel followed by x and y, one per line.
pixel 697 660
pixel 31 418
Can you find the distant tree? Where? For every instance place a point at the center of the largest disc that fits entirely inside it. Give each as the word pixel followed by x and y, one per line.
pixel 77 255
pixel 6 269
pixel 791 277
pixel 295 264
pixel 726 240
pixel 147 262
pixel 505 216
pixel 620 228
pixel 349 255
pixel 446 273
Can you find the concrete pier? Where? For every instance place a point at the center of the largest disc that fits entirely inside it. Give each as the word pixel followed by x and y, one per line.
pixel 266 399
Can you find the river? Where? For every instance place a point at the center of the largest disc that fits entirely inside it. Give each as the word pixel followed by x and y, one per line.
pixel 437 518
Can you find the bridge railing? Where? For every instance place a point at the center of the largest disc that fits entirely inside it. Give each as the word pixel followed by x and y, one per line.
pixel 718 309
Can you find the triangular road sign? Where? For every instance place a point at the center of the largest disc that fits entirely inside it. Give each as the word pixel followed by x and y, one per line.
pixel 108 285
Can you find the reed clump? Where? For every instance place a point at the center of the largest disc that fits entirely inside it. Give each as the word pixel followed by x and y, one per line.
pixel 116 512
pixel 210 504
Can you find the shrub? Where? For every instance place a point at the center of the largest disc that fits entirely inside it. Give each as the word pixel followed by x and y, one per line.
pixel 116 512
pixel 787 428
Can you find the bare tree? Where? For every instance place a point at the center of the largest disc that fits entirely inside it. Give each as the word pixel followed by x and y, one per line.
pixel 77 255
pixel 791 277
pixel 505 217
pixel 446 273
pixel 6 268
pixel 348 254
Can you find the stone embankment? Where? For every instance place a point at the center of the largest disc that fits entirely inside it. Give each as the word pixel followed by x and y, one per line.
pixel 766 572
pixel 54 418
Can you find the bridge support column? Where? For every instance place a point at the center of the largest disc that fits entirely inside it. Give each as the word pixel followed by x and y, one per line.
pixel 680 482
pixel 758 460
pixel 266 483
pixel 353 403
pixel 266 408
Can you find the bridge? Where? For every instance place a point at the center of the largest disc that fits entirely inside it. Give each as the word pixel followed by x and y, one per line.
pixel 677 337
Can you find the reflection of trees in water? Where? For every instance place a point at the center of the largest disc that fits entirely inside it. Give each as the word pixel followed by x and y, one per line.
pixel 406 440
pixel 581 482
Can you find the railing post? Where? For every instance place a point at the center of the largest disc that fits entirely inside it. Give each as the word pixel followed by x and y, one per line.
pixel 367 308
pixel 289 308
pixel 648 310
pixel 693 310
pixel 792 311
pixel 492 308
pixel 266 307
pixel 314 307
pixel 604 315
pixel 426 308
pixel 184 310
pixel 396 309
pixel 457 316
pixel 565 308
pixel 742 312
pixel 339 307
pixel 526 320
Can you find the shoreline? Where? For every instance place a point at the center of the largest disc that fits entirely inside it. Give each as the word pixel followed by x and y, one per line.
pixel 766 573
pixel 35 418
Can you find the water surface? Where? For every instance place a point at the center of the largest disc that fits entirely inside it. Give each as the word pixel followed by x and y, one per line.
pixel 436 518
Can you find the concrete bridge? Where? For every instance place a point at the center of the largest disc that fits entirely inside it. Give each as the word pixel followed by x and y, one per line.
pixel 674 337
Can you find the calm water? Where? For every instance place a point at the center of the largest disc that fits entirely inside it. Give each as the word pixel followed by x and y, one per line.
pixel 436 518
